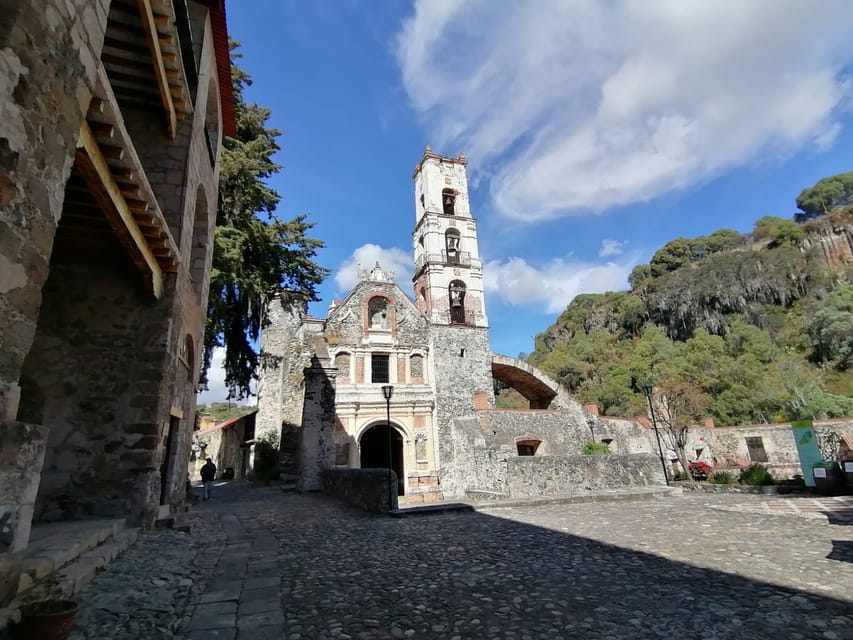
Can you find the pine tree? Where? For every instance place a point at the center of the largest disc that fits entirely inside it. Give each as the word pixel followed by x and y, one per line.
pixel 255 255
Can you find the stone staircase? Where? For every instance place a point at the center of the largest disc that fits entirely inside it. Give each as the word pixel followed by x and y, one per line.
pixel 63 557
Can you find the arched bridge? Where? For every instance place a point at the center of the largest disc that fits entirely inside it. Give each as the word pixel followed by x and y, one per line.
pixel 541 391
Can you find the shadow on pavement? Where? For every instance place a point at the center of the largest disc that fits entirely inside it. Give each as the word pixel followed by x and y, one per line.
pixel 842 550
pixel 475 575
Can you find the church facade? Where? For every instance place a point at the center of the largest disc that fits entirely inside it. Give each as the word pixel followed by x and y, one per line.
pixel 387 380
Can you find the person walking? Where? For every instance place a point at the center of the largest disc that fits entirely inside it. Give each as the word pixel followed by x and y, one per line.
pixel 208 473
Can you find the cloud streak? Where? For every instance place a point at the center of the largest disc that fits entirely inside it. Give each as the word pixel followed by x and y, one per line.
pixel 554 284
pixel 568 106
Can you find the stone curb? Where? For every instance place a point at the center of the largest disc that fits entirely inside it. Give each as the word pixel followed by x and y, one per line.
pixel 610 496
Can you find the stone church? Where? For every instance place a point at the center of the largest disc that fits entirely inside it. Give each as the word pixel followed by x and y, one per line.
pixel 324 382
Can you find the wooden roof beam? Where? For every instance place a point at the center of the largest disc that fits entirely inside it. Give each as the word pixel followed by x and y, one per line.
pixel 150 26
pixel 95 171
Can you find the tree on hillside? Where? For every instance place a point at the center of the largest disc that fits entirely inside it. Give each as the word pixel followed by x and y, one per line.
pixel 255 254
pixel 827 194
pixel 780 231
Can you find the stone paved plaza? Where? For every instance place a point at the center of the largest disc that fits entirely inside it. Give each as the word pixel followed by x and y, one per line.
pixel 261 564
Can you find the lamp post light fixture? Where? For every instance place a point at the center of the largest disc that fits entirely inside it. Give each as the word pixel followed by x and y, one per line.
pixel 387 392
pixel 647 391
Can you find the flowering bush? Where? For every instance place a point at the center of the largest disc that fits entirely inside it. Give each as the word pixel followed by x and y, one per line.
pixel 699 470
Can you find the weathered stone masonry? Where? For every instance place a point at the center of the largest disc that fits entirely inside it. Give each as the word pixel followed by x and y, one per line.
pixel 110 135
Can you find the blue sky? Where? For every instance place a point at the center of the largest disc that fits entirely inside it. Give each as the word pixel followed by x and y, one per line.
pixel 595 132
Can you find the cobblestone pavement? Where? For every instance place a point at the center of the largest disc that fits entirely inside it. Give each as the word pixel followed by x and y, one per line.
pixel 263 564
pixel 838 509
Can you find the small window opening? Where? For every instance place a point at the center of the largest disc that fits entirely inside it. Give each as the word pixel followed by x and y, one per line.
pixel 607 441
pixel 527 447
pixel 448 201
pixel 379 367
pixel 755 446
pixel 462 352
pixel 423 205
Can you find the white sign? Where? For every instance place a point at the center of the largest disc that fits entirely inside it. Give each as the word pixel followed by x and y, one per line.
pixel 819 473
pixel 848 466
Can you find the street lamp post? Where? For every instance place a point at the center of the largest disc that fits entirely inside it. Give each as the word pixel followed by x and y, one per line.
pixel 647 391
pixel 388 391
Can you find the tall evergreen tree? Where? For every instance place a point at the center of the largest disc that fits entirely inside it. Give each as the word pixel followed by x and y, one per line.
pixel 255 254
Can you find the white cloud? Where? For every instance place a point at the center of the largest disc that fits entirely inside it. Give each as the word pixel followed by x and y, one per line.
pixel 367 255
pixel 610 247
pixel 553 285
pixel 216 389
pixel 569 105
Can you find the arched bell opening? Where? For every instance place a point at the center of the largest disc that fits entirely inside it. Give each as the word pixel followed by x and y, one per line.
pixel 457 291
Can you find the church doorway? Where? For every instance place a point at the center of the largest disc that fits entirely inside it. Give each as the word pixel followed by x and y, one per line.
pixel 375 452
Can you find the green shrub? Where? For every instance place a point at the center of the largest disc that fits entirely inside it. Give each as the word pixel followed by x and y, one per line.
pixel 267 459
pixel 595 448
pixel 679 476
pixel 757 474
pixel 721 477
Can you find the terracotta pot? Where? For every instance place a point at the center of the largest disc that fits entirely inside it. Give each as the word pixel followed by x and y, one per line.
pixel 48 620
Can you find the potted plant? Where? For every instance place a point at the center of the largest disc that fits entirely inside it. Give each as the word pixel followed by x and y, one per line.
pixel 47 613
pixel 699 470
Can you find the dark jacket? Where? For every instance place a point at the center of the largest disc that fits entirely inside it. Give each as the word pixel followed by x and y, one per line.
pixel 208 471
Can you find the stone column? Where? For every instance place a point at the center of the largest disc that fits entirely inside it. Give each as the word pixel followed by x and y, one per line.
pixel 21 458
pixel 317 451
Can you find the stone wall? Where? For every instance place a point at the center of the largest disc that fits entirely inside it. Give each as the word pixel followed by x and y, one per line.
pixel 365 488
pixel 284 355
pixel 110 369
pixel 48 61
pixel 534 476
pixel 317 447
pixel 461 360
pixel 485 443
pixel 726 447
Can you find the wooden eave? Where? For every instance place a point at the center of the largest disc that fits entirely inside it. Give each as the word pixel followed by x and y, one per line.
pixel 115 174
pixel 143 60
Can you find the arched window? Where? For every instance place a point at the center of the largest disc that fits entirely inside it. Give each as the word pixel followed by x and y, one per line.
pixel 187 354
pixel 448 201
pixel 457 302
pixel 451 245
pixel 201 241
pixel 212 128
pixel 377 313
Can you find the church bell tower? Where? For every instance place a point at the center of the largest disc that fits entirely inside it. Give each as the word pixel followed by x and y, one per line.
pixel 448 277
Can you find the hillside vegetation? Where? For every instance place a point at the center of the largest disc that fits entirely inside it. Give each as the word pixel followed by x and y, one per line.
pixel 744 328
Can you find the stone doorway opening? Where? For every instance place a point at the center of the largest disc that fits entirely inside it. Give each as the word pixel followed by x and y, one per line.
pixel 375 452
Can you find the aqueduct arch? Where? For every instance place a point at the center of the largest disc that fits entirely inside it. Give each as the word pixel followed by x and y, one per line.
pixel 541 391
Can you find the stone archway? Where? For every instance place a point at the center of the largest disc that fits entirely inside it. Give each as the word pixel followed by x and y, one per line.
pixel 374 451
pixel 541 391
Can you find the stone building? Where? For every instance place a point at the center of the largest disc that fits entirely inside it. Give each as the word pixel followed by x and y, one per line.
pixel 228 443
pixel 321 383
pixel 112 115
